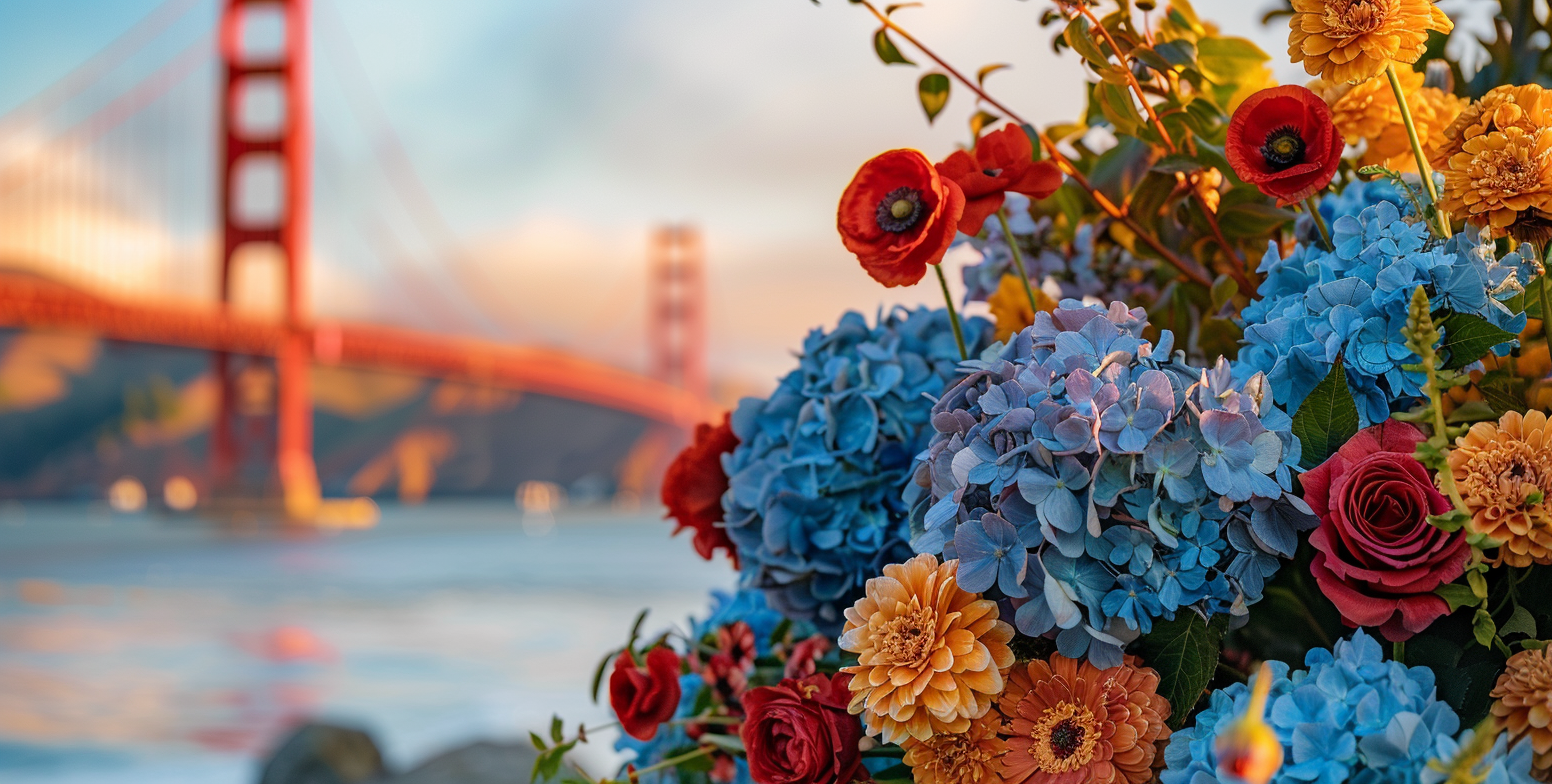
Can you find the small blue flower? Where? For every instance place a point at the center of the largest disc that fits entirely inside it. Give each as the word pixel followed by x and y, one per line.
pixel 990 553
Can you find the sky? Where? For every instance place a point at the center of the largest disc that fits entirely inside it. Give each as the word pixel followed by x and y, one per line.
pixel 553 135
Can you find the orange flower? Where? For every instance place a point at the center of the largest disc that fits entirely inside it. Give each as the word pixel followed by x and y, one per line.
pixel 1002 161
pixel 1526 107
pixel 1010 306
pixel 929 654
pixel 1352 40
pixel 898 215
pixel 1520 700
pixel 1073 723
pixel 1367 112
pixel 970 757
pixel 1504 470
pixel 1503 182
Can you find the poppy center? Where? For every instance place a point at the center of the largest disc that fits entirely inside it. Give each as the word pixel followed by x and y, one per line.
pixel 899 210
pixel 1283 148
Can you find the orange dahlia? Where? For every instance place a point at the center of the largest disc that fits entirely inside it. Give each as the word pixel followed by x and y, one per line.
pixel 1503 182
pixel 1527 107
pixel 968 757
pixel 1352 40
pixel 929 654
pixel 1367 112
pixel 1503 470
pixel 1522 702
pixel 1071 722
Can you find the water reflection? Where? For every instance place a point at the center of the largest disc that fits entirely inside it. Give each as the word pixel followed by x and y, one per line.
pixel 136 649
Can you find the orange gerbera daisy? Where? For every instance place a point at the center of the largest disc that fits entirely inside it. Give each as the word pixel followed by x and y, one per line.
pixel 1520 700
pixel 1352 40
pixel 1504 471
pixel 1073 723
pixel 968 757
pixel 929 654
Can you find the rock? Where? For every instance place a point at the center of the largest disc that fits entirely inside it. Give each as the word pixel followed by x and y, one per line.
pixel 477 763
pixel 324 754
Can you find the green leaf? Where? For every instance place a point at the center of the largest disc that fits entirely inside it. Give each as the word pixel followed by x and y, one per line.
pixel 1180 52
pixel 1077 36
pixel 886 49
pixel 557 729
pixel 728 742
pixel 603 666
pixel 1185 653
pixel 933 91
pixel 1457 595
pixel 1478 584
pixel 1530 301
pixel 1147 56
pixel 1223 289
pixel 988 70
pixel 894 774
pixel 538 742
pixel 1483 628
pixel 979 122
pixel 1467 337
pixel 779 633
pixel 1252 219
pixel 1228 60
pixel 1177 162
pixel 1327 418
pixel 1520 622
pixel 1502 391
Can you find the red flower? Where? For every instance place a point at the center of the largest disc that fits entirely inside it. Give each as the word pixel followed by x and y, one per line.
pixel 798 732
pixel 1282 141
pixel 644 699
pixel 737 641
pixel 800 663
pixel 1379 559
pixel 1002 161
pixel 898 216
pixel 693 488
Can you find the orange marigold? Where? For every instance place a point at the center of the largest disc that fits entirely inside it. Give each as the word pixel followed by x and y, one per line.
pixel 1503 470
pixel 1503 182
pixel 1522 701
pixel 1352 40
pixel 968 757
pixel 1071 722
pixel 929 654
pixel 1367 112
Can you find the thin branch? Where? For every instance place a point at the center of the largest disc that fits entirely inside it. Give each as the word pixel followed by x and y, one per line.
pixel 1190 269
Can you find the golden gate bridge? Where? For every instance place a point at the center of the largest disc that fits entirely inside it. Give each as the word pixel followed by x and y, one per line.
pixel 95 155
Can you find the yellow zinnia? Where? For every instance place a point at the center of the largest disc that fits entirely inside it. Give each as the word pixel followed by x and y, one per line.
pixel 1352 40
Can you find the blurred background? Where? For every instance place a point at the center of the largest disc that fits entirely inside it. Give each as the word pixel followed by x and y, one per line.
pixel 343 342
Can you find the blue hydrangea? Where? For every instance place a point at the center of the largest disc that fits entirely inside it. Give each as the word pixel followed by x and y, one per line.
pixel 1107 481
pixel 1351 716
pixel 1317 305
pixel 1074 270
pixel 814 502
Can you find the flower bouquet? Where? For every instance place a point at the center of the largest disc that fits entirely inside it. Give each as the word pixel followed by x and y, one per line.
pixel 1245 479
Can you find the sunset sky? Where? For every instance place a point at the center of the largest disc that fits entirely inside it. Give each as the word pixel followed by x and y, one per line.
pixel 553 134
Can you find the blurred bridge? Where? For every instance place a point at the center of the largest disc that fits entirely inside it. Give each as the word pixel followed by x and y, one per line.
pixel 120 199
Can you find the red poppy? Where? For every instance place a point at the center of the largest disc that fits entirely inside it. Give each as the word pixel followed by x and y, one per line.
pixel 693 488
pixel 1002 161
pixel 898 215
pixel 1282 141
pixel 645 698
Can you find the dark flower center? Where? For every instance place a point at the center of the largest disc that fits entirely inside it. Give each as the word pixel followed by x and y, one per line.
pixel 1284 148
pixel 899 210
pixel 1066 736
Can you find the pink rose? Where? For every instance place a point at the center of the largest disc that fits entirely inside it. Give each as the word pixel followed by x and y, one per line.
pixel 1379 559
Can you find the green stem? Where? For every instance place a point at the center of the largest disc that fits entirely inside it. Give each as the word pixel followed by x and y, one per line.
pixel 953 315
pixel 1417 151
pixel 1018 260
pixel 1546 308
pixel 1320 222
pixel 707 720
pixel 1398 652
pixel 1435 401
pixel 672 761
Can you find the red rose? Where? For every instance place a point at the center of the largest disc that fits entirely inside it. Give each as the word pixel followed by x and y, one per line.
pixel 798 732
pixel 898 216
pixel 693 488
pixel 1002 161
pixel 1379 559
pixel 1282 141
pixel 644 699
